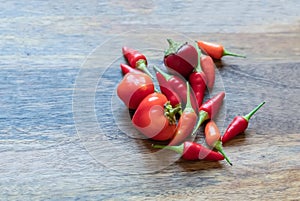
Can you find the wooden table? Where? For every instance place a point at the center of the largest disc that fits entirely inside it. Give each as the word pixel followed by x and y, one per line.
pixel 57 80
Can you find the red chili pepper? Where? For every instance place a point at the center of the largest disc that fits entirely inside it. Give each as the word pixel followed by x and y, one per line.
pixel 198 80
pixel 213 138
pixel 126 69
pixel 178 86
pixel 166 88
pixel 154 118
pixel 193 151
pixel 216 51
pixel 208 67
pixel 239 124
pixel 186 122
pixel 181 58
pixel 136 59
pixel 209 109
pixel 133 88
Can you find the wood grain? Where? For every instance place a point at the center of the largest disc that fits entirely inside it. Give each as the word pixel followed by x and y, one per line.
pixel 44 45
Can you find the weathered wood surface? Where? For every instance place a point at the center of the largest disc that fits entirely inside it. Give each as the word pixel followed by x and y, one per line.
pixel 46 101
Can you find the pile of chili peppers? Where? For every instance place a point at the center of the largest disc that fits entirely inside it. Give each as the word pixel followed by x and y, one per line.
pixel 172 114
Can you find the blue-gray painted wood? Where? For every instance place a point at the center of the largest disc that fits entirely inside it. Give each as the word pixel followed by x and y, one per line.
pixel 43 47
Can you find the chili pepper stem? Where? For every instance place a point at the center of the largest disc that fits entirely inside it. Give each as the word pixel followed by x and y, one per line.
pixel 188 99
pixel 203 116
pixel 228 53
pixel 173 47
pixel 180 111
pixel 179 148
pixel 171 112
pixel 198 67
pixel 218 146
pixel 165 75
pixel 141 65
pixel 250 114
pixel 175 110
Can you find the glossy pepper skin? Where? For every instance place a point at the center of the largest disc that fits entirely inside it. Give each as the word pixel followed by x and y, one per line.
pixel 186 122
pixel 239 124
pixel 208 67
pixel 213 138
pixel 193 151
pixel 216 51
pixel 198 80
pixel 133 88
pixel 166 88
pixel 128 69
pixel 209 109
pixel 153 119
pixel 136 59
pixel 212 106
pixel 178 87
pixel 181 58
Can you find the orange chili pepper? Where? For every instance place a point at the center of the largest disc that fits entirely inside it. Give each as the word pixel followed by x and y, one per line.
pixel 186 123
pixel 208 67
pixel 213 138
pixel 216 51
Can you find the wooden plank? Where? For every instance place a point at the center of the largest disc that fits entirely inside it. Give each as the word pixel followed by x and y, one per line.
pixel 43 152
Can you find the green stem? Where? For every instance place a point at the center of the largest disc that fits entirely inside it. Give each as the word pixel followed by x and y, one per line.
pixel 173 47
pixel 176 110
pixel 198 68
pixel 188 97
pixel 218 146
pixel 228 53
pixel 156 90
pixel 179 149
pixel 165 75
pixel 180 112
pixel 171 112
pixel 203 116
pixel 248 116
pixel 141 65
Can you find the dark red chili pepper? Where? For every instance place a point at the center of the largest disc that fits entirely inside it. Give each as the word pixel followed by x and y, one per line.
pixel 193 151
pixel 186 122
pixel 209 109
pixel 178 85
pixel 133 88
pixel 126 69
pixel 213 138
pixel 166 87
pixel 208 67
pixel 136 59
pixel 239 124
pixel 216 51
pixel 182 58
pixel 198 80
